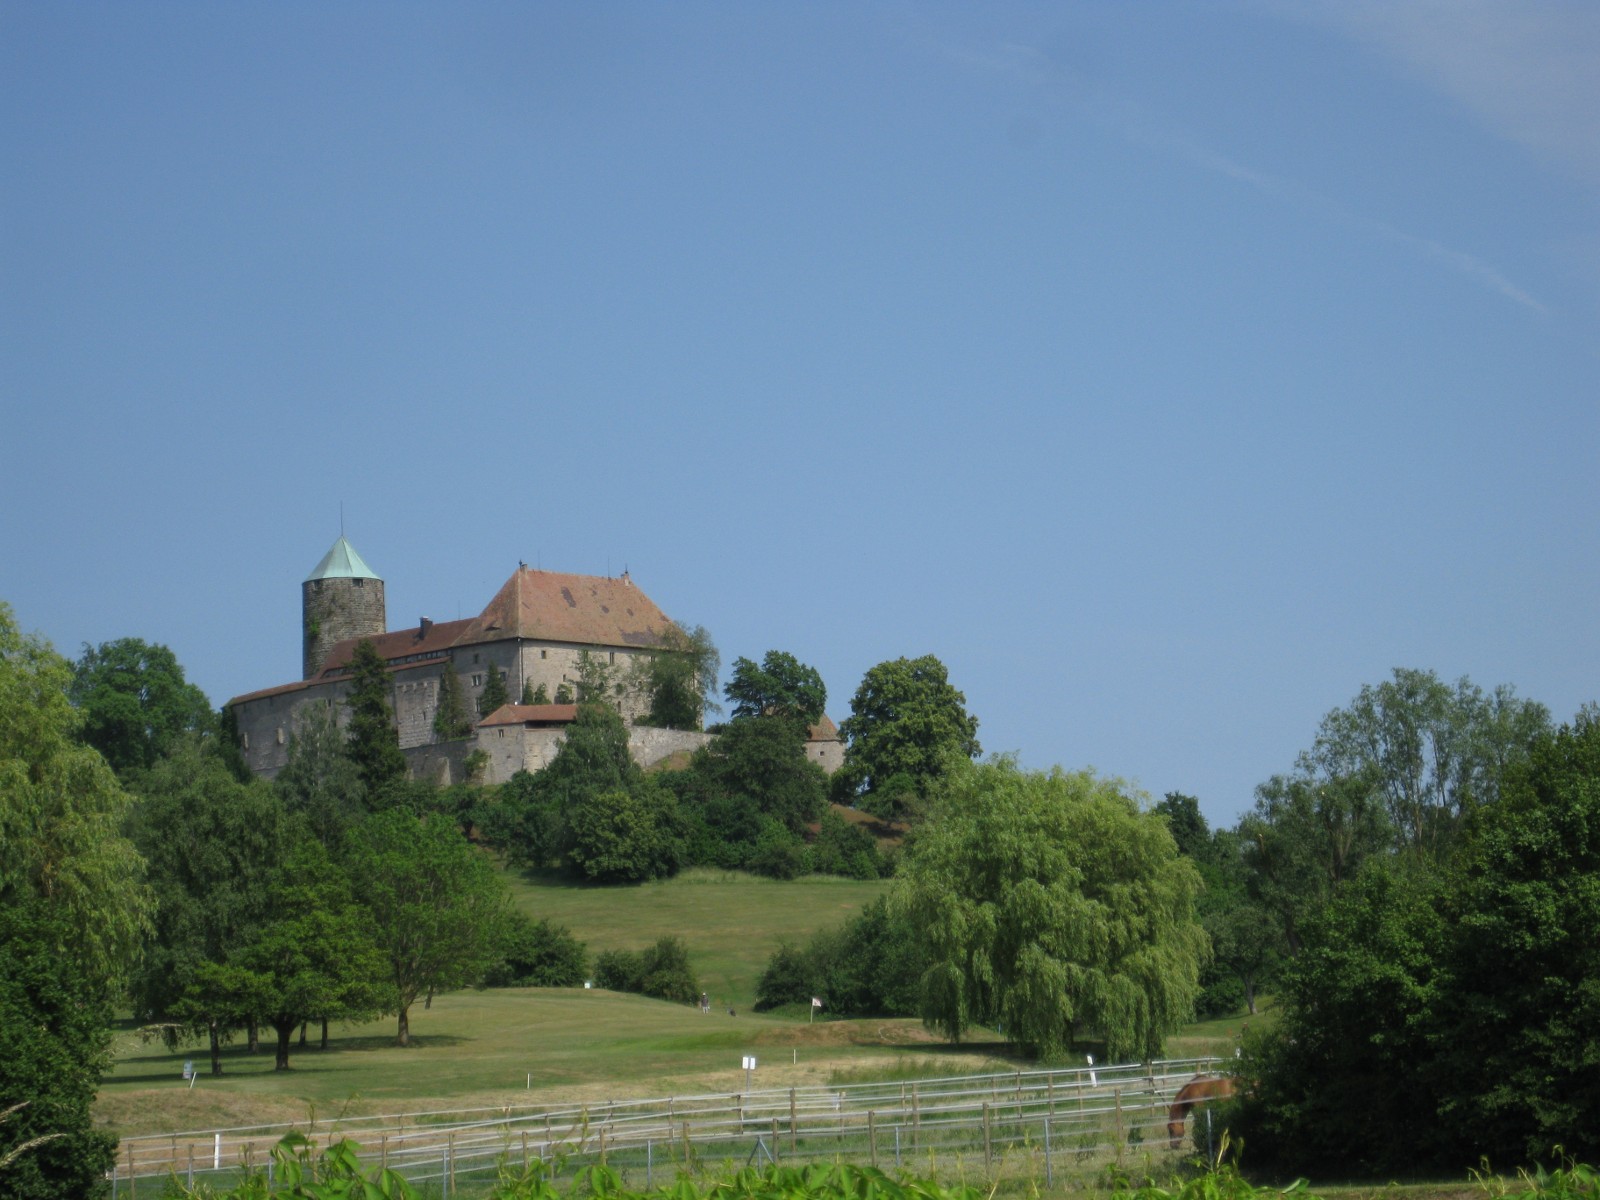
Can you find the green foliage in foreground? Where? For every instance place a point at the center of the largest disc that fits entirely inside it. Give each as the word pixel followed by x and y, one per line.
pixel 336 1174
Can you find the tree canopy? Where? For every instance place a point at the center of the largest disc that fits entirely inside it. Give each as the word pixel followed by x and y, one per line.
pixel 680 680
pixel 374 738
pixel 135 701
pixel 1049 903
pixel 73 909
pixel 435 905
pixel 906 719
pixel 781 686
pixel 1469 993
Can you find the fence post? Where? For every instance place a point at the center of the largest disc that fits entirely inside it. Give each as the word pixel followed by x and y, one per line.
pixel 988 1153
pixel 383 1152
pixel 133 1179
pixel 1050 1089
pixel 774 1139
pixel 791 1122
pixel 684 1129
pixel 649 1164
pixel 1117 1093
pixel 524 1151
pixel 872 1138
pixel 1049 1178
pixel 602 1145
pixel 450 1163
pixel 897 1147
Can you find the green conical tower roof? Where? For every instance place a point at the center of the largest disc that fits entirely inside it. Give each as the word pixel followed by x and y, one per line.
pixel 342 562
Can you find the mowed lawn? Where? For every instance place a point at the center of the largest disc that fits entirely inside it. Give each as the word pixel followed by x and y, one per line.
pixel 487 1047
pixel 730 922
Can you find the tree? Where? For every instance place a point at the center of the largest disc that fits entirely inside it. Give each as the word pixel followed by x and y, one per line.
pixel 563 693
pixel 320 781
pixel 311 957
pixel 763 760
pixel 1305 839
pixel 594 679
pixel 906 718
pixel 135 701
pixel 1049 903
pixel 662 971
pixel 537 954
pixel 781 686
pixel 1431 751
pixel 73 910
pixel 62 810
pixel 435 904
pixel 450 717
pixel 680 679
pixel 494 693
pixel 625 835
pixel 539 695
pixel 54 1047
pixel 374 738
pixel 212 845
pixel 1469 993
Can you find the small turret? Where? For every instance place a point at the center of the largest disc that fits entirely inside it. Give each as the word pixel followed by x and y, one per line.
pixel 342 598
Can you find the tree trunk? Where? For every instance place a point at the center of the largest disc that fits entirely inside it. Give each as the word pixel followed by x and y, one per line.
pixel 285 1030
pixel 216 1047
pixel 254 1045
pixel 303 1025
pixel 405 1026
pixel 324 1045
pixel 428 1003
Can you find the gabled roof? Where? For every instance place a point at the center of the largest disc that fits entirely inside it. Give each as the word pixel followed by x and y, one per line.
pixel 592 610
pixel 532 714
pixel 432 640
pixel 342 562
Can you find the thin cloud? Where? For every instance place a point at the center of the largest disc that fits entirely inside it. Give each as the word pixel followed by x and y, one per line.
pixel 1127 120
pixel 1529 71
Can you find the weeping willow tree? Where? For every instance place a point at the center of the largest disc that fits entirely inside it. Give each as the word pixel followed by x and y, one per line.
pixel 1051 905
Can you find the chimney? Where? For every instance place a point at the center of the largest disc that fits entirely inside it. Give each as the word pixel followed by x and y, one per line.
pixel 423 626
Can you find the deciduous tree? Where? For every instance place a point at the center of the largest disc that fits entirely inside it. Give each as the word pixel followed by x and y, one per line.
pixel 135 701
pixel 781 686
pixel 435 903
pixel 73 909
pixel 905 718
pixel 1050 904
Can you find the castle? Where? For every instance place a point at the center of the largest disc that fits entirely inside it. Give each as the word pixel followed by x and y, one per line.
pixel 534 632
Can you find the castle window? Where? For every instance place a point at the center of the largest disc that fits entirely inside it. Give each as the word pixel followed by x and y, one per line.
pixel 477 680
pixel 245 738
pixel 359 582
pixel 544 654
pixel 280 735
pixel 611 656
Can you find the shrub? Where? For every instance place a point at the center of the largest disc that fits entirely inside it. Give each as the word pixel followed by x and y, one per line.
pixel 662 971
pixel 538 954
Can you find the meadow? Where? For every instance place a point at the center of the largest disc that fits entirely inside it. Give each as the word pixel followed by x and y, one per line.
pixel 519 1045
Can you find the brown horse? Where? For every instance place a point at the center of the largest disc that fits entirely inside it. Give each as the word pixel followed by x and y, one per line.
pixel 1197 1091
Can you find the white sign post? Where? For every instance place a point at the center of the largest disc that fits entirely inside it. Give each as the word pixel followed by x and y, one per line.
pixel 749 1065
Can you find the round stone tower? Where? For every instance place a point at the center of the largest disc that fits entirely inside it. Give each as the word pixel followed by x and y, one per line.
pixel 341 599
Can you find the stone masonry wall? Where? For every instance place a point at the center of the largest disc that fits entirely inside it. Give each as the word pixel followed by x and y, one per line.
pixel 332 610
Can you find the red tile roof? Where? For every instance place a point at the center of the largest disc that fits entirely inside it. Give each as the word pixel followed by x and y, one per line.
pixel 546 606
pixel 532 714
pixel 591 610
pixel 823 731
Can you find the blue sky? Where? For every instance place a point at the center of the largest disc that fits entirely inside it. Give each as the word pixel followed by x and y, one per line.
pixel 1168 370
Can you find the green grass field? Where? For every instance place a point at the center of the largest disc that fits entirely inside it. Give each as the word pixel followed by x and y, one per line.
pixel 731 922
pixel 507 1046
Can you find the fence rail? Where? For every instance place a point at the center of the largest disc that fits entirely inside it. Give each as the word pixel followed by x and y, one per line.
pixel 1033 1119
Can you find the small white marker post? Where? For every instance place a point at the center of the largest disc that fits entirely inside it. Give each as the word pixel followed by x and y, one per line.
pixel 1093 1082
pixel 749 1065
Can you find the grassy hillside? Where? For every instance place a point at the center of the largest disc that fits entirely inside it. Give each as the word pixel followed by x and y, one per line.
pixel 730 922
pixel 486 1048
